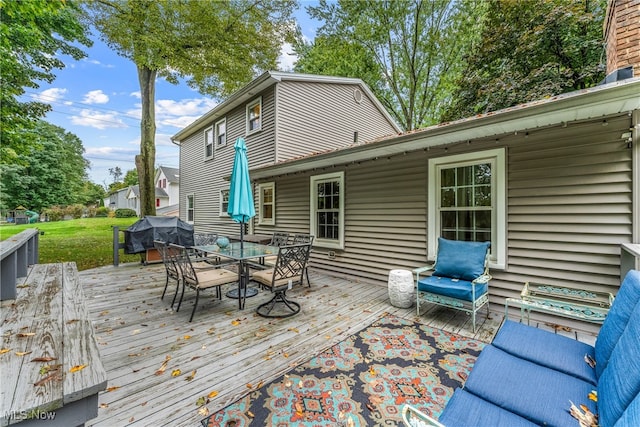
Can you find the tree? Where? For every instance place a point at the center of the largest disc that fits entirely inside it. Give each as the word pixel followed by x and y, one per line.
pixel 531 50
pixel 33 35
pixel 116 173
pixel 131 177
pixel 218 46
pixel 408 51
pixel 51 172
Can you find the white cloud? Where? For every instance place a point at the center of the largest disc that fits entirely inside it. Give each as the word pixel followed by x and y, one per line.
pixel 96 97
pixel 177 114
pixel 136 94
pixel 287 57
pixel 97 120
pixel 50 95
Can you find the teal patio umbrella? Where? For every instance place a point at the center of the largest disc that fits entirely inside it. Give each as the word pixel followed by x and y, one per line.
pixel 241 208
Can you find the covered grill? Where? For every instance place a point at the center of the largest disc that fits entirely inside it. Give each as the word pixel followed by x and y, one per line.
pixel 140 236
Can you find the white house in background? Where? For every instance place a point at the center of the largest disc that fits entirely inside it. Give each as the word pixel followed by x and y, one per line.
pixel 167 185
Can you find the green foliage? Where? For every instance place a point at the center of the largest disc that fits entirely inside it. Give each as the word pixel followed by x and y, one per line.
pixel 531 50
pixel 92 194
pixel 75 211
pixel 50 172
pixel 131 177
pixel 216 46
pixel 33 35
pixel 87 241
pixel 54 213
pixel 408 51
pixel 125 213
pixel 102 212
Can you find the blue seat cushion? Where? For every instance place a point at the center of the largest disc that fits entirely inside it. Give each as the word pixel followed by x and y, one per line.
pixel 453 288
pixel 537 393
pixel 460 260
pixel 547 349
pixel 466 409
pixel 631 416
pixel 615 322
pixel 619 383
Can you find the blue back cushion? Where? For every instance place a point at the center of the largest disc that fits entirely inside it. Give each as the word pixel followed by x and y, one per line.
pixel 615 322
pixel 619 383
pixel 631 415
pixel 460 260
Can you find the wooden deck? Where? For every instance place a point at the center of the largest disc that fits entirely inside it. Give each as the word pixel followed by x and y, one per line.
pixel 224 352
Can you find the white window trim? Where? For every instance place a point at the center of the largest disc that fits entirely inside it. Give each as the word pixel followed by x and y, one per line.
pixel 262 220
pixel 326 243
pixel 221 210
pixel 213 142
pixel 257 101
pixel 216 133
pixel 186 216
pixel 498 258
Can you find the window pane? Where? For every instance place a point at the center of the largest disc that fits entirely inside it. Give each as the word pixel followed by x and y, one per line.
pixel 448 197
pixel 448 219
pixel 267 211
pixel 483 220
pixel 464 175
pixel 267 195
pixel 448 177
pixel 465 220
pixel 464 197
pixel 482 174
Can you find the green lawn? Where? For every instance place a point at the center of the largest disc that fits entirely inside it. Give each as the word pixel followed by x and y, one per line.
pixel 87 241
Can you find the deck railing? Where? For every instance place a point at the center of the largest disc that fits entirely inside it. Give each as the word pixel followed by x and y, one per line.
pixel 16 254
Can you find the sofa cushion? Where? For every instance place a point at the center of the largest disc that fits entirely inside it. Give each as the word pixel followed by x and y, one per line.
pixel 454 288
pixel 466 409
pixel 631 416
pixel 619 383
pixel 617 319
pixel 547 349
pixel 460 260
pixel 532 391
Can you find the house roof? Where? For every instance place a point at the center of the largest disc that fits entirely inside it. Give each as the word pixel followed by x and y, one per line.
pixel 135 189
pixel 595 102
pixel 172 174
pixel 264 81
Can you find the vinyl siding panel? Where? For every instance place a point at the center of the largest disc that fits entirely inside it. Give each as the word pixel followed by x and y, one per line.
pixel 316 117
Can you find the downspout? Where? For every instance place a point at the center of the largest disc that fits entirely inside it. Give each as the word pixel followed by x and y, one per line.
pixel 635 179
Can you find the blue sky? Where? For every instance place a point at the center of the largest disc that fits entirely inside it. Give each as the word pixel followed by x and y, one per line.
pixel 98 99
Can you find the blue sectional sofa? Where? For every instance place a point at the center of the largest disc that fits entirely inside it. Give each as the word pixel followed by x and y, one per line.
pixel 529 377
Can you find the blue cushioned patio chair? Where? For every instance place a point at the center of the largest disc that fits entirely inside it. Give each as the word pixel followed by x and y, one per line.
pixel 459 279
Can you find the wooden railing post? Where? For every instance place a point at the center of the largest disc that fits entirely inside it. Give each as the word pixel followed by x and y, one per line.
pixel 116 245
pixel 17 253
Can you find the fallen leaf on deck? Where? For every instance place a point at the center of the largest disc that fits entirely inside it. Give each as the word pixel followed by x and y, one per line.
pixel 4 350
pixel 201 401
pixel 72 321
pixel 249 385
pixel 77 368
pixel 204 411
pixel 113 388
pixel 192 376
pixel 260 384
pixel 50 377
pixel 294 330
pixel 132 419
pixel 235 322
pixel 176 372
pixel 372 371
pixel 25 334
pixel 250 414
pixel 211 331
pixel 144 404
pixel 103 405
pixel 186 337
pixel 212 394
pixel 163 367
pixel 43 359
pixel 103 313
pixel 196 357
pixel 22 353
pixel 299 409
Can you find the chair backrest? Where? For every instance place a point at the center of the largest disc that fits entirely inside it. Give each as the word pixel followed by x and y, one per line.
pixel 290 263
pixel 180 256
pixel 459 259
pixel 169 264
pixel 203 239
pixel 302 238
pixel 279 238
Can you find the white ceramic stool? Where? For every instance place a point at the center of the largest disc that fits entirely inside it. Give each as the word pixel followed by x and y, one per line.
pixel 401 290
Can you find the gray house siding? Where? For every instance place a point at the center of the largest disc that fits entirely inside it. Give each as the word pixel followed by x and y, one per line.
pixel 569 207
pixel 316 116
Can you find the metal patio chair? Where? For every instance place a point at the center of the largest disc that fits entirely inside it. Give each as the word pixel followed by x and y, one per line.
pixel 199 280
pixel 304 238
pixel 173 271
pixel 288 269
pixel 279 238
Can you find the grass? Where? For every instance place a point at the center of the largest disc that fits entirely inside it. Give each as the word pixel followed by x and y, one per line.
pixel 87 241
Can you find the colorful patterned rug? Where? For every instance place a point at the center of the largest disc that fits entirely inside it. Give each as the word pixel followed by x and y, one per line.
pixel 362 381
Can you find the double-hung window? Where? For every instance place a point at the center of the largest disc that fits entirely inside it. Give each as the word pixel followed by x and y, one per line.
pixel 327 210
pixel 254 116
pixel 267 203
pixel 191 208
pixel 224 202
pixel 208 143
pixel 221 133
pixel 467 201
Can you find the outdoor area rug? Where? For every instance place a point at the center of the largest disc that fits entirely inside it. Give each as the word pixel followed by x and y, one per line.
pixel 362 381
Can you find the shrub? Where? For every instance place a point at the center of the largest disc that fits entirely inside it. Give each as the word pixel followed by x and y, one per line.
pixel 102 212
pixel 90 211
pixel 125 213
pixel 75 211
pixel 54 213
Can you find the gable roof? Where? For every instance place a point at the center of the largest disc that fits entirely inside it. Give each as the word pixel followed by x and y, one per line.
pixel 595 102
pixel 172 174
pixel 135 190
pixel 269 79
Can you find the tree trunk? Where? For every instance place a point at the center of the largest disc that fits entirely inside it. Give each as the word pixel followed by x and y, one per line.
pixel 145 161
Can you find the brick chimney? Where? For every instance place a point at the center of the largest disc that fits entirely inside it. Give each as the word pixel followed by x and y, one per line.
pixel 622 37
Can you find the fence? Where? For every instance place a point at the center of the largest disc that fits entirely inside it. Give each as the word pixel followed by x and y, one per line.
pixel 16 254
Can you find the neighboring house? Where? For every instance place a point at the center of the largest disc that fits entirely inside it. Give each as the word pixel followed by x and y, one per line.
pixel 133 198
pixel 553 184
pixel 281 116
pixel 168 180
pixel 117 199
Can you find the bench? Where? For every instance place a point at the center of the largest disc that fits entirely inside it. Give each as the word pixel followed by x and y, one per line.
pixel 49 360
pixel 528 376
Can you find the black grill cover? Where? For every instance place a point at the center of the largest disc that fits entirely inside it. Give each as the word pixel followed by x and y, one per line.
pixel 140 236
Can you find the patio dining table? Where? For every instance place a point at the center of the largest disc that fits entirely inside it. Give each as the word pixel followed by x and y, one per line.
pixel 241 252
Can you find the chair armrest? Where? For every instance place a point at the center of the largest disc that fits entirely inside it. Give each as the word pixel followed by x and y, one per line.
pixel 482 279
pixel 418 271
pixel 414 418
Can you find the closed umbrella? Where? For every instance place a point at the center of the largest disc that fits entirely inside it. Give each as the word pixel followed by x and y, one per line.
pixel 241 208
